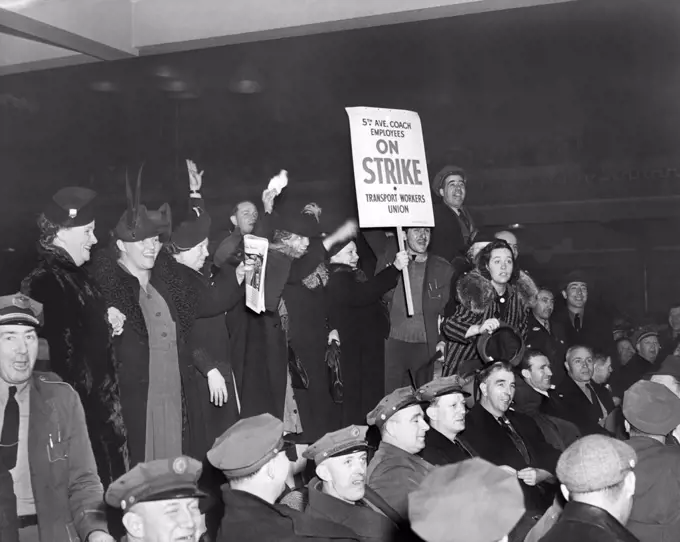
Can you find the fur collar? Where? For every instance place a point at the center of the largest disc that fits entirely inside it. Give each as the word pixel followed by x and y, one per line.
pixel 476 293
pixel 121 290
pixel 317 278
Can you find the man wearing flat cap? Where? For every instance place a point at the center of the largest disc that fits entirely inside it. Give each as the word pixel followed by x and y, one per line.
pixel 395 469
pixel 454 228
pixel 596 473
pixel 645 340
pixel 583 326
pixel 652 411
pixel 445 399
pixel 43 437
pixel 252 454
pixel 339 493
pixel 76 325
pixel 471 501
pixel 160 500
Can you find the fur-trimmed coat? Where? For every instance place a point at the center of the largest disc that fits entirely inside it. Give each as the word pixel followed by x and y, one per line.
pixel 82 353
pixel 186 299
pixel 478 301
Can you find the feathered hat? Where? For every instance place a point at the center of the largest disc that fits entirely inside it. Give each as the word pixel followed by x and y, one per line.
pixel 137 222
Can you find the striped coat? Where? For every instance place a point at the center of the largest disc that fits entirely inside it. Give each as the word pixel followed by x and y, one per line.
pixel 478 302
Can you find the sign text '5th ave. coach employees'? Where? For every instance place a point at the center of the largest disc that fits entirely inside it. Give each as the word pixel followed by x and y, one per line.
pixel 390 168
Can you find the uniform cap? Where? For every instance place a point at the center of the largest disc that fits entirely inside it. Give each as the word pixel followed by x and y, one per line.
pixel 442 386
pixel 158 480
pixel 390 404
pixel 248 445
pixel 470 501
pixel 595 462
pixel 651 408
pixel 19 309
pixel 342 442
pixel 643 333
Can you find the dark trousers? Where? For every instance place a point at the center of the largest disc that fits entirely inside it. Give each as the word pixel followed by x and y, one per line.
pixel 402 357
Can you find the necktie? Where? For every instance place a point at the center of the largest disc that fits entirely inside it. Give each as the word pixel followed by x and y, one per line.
pixel 516 439
pixel 577 322
pixel 464 219
pixel 547 326
pixel 464 448
pixel 9 439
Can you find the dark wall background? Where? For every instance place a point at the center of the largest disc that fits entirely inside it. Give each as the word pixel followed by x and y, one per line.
pixel 547 108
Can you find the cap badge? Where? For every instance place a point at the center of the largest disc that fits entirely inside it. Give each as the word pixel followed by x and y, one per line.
pixel 179 466
pixel 355 432
pixel 21 301
pixel 72 213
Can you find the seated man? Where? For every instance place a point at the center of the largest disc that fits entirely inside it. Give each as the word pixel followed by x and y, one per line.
pixel 646 343
pixel 535 397
pixel 513 441
pixel 578 401
pixel 159 500
pixel 395 470
pixel 652 411
pixel 446 414
pixel 598 479
pixel 338 493
pixel 55 494
pixel 252 456
pixel 448 504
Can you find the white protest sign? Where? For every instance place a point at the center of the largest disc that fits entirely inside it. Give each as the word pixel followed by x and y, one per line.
pixel 390 169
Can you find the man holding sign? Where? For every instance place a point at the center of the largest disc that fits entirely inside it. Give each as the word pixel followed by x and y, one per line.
pixel 393 190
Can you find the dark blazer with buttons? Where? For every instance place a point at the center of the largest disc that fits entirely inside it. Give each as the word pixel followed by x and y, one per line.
pixel 491 441
pixel 551 343
pixel 573 405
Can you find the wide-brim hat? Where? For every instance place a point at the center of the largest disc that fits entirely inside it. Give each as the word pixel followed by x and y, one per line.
pixel 146 224
pixel 504 344
pixel 191 232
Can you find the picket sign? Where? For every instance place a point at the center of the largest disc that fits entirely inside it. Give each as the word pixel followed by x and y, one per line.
pixel 390 174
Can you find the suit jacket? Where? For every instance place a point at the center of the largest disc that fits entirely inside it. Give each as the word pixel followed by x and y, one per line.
pixel 596 330
pixel 360 517
pixel 630 373
pixel 573 405
pixel 450 237
pixel 655 516
pixel 491 441
pixel 248 518
pixel 440 450
pixel 558 432
pixel 551 343
pixel 394 473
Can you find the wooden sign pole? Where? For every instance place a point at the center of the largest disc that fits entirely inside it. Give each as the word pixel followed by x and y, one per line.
pixel 401 237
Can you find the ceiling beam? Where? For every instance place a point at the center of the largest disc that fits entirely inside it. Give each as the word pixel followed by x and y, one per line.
pixel 19 25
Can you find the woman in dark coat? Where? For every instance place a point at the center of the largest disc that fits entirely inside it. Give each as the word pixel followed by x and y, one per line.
pixel 295 318
pixel 207 377
pixel 76 326
pixel 495 291
pixel 152 346
pixel 355 309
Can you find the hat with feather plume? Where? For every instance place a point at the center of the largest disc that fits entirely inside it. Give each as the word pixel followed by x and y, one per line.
pixel 139 223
